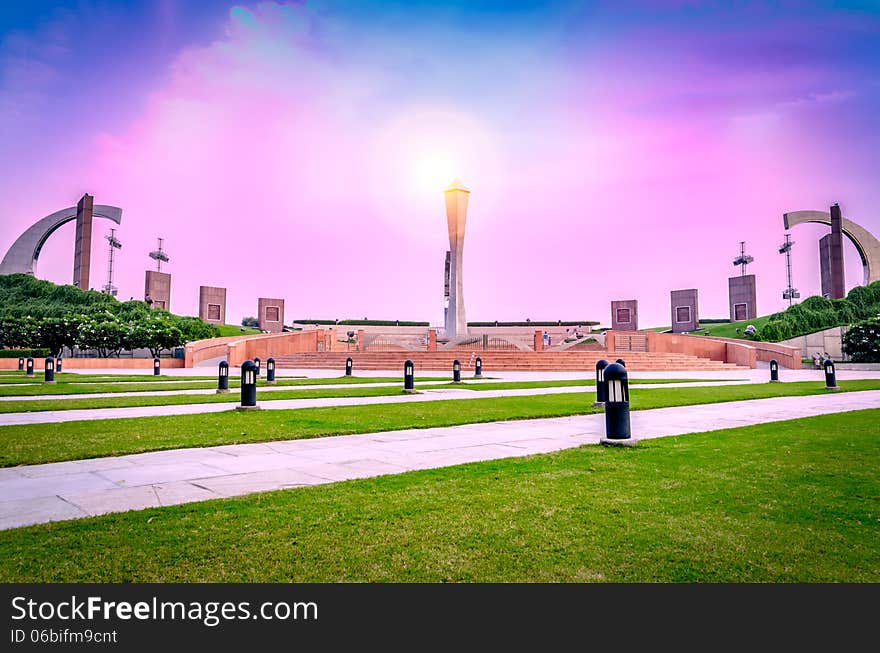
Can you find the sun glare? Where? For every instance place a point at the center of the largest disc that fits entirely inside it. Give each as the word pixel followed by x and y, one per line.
pixel 434 172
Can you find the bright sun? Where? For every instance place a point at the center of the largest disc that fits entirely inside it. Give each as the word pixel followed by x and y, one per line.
pixel 434 172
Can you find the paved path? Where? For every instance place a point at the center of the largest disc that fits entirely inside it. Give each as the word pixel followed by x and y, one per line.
pixel 425 394
pixel 69 490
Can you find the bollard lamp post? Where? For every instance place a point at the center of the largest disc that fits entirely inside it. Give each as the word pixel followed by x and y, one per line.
pixel 409 377
pixel 58 364
pixel 349 364
pixel 21 363
pixel 478 368
pixel 223 378
pixel 456 371
pixel 270 371
pixel 157 366
pixel 830 375
pixel 620 361
pixel 248 386
pixel 601 386
pixel 29 367
pixel 49 370
pixel 617 424
pixel 774 371
pixel 258 363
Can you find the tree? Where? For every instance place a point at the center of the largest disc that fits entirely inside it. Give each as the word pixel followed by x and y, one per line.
pixel 103 332
pixel 250 322
pixel 862 341
pixel 55 333
pixel 193 328
pixel 156 331
pixel 18 332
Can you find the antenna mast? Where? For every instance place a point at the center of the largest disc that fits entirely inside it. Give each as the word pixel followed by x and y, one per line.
pixel 159 256
pixel 789 293
pixel 112 245
pixel 743 259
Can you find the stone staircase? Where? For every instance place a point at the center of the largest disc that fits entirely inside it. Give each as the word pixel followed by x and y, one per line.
pixel 547 361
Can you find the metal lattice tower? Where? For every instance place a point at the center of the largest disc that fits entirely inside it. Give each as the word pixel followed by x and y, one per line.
pixel 789 293
pixel 159 256
pixel 113 244
pixel 743 259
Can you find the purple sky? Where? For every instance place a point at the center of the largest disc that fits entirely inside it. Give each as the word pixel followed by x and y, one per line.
pixel 614 149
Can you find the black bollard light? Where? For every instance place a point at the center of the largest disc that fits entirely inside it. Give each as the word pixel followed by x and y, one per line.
pixel 21 363
pixel 620 361
pixel 50 370
pixel 248 386
pixel 830 375
pixel 58 364
pixel 409 376
pixel 774 370
pixel 157 366
pixel 478 368
pixel 601 386
pixel 348 365
pixel 223 378
pixel 29 368
pixel 617 426
pixel 257 362
pixel 270 371
pixel 456 371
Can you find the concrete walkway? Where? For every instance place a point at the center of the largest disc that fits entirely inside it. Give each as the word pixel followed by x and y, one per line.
pixel 57 491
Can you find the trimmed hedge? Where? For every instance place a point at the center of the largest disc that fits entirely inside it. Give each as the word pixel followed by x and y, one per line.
pixel 363 323
pixel 24 353
pixel 818 313
pixel 536 324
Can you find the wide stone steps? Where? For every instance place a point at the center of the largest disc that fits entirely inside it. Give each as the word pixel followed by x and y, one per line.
pixel 502 361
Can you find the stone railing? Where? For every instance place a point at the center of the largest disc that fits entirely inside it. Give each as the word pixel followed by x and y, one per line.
pixel 237 349
pixel 727 350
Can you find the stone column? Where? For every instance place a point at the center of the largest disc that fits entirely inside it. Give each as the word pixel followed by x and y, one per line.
pixel 82 252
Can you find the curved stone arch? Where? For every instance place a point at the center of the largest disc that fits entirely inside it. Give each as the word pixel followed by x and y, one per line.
pixel 24 252
pixel 867 246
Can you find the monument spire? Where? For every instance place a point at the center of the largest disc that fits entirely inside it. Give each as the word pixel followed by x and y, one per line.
pixel 457 195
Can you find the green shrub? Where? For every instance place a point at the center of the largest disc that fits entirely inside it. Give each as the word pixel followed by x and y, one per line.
pixel 817 313
pixel 24 353
pixel 862 341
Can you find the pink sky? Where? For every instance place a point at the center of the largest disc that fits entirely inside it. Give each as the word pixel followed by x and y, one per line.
pixel 301 152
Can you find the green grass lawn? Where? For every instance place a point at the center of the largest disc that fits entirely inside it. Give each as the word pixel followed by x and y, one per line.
pixel 68 388
pixel 784 502
pixel 31 405
pixel 235 330
pixel 231 398
pixel 722 329
pixel 517 385
pixel 73 377
pixel 37 443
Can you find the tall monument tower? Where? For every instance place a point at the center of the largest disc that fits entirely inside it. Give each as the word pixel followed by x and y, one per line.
pixel 82 252
pixel 456 215
pixel 835 255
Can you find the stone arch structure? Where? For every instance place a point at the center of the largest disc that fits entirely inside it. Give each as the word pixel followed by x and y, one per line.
pixel 867 246
pixel 24 252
